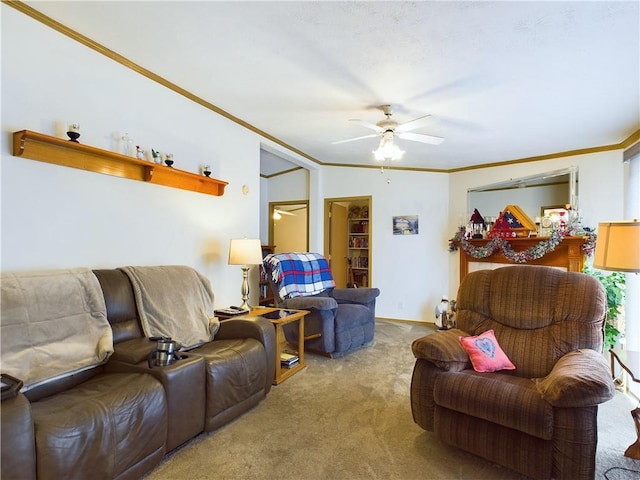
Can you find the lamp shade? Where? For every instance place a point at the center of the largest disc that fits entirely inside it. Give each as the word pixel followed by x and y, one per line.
pixel 388 150
pixel 618 246
pixel 245 251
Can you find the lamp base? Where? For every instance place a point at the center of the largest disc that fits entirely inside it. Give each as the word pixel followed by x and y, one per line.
pixel 245 288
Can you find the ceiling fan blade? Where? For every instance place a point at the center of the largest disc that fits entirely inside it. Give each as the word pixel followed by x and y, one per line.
pixel 418 137
pixel 356 138
pixel 413 124
pixel 366 124
pixel 285 212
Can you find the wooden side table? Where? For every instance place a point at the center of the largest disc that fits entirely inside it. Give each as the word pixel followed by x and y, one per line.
pixel 279 317
pixel 630 362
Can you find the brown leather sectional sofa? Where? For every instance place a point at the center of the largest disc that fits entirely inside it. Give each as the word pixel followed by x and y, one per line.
pixel 117 420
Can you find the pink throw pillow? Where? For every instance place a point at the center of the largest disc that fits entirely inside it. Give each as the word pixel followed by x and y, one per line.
pixel 485 353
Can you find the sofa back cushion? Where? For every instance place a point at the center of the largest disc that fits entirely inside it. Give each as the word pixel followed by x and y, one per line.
pixel 298 274
pixel 538 313
pixel 53 325
pixel 122 312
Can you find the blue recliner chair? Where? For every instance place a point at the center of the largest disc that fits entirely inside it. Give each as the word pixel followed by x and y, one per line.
pixel 341 320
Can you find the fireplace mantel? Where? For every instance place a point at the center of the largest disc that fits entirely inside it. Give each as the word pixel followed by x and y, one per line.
pixel 568 255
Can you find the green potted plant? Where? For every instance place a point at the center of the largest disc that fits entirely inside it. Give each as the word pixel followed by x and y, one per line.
pixel 614 286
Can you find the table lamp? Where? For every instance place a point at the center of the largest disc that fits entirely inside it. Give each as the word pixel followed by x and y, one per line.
pixel 618 246
pixel 245 252
pixel 618 249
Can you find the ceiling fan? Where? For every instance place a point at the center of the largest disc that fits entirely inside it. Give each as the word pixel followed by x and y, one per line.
pixel 389 128
pixel 277 213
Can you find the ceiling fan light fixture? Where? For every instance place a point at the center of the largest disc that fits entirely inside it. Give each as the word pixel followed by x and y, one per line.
pixel 387 150
pixel 277 213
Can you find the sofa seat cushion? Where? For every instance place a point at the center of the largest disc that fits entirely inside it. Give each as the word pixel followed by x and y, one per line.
pixel 236 371
pixel 500 398
pixel 103 428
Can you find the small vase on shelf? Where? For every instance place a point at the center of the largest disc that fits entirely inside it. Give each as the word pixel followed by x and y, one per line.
pixel 157 156
pixel 169 160
pixel 73 132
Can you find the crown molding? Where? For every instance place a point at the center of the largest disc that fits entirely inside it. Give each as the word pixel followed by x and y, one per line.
pixel 551 156
pixel 284 172
pixel 63 29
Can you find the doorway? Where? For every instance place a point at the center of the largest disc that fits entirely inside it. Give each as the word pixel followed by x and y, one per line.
pixel 347 242
pixel 289 226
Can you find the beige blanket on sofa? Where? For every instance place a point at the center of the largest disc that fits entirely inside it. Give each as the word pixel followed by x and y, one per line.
pixel 174 301
pixel 52 324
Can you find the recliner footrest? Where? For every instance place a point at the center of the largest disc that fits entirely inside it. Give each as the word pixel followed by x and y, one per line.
pixel 109 424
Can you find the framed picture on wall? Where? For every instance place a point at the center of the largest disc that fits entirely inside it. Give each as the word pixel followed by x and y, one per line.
pixel 405 225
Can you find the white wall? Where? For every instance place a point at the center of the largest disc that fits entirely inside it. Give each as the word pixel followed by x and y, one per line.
pixel 411 270
pixel 57 217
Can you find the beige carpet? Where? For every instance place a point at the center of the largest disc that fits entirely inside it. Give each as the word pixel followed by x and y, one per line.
pixel 350 418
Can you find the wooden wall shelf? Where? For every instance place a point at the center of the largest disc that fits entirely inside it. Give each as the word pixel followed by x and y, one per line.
pixel 568 254
pixel 36 146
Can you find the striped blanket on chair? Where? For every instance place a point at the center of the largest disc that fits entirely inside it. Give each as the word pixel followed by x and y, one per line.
pixel 299 274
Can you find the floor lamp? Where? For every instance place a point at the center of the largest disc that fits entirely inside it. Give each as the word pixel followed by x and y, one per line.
pixel 618 250
pixel 245 252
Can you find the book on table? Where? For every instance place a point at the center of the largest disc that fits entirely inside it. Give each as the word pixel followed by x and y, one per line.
pixel 289 365
pixel 288 359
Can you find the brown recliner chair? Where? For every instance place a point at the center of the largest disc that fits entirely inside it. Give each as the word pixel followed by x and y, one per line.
pixel 539 419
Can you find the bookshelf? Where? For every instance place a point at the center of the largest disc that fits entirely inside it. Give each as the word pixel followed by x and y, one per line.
pixel 358 249
pixel 266 294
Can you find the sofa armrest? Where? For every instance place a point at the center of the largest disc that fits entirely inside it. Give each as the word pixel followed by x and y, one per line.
pixel 581 378
pixel 132 351
pixel 248 327
pixel 307 303
pixel 443 349
pixel 363 296
pixel 253 327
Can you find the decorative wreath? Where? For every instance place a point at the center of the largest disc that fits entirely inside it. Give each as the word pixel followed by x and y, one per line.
pixel 532 253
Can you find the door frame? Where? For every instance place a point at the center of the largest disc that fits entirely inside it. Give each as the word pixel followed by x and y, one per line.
pixel 327 224
pixel 274 205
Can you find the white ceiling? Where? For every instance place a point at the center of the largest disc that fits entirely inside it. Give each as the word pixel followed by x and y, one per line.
pixel 502 80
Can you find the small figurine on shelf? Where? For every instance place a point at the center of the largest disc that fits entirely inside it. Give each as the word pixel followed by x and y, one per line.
pixel 206 171
pixel 140 154
pixel 445 314
pixel 477 224
pixel 157 157
pixel 562 222
pixel 73 131
pixel 169 159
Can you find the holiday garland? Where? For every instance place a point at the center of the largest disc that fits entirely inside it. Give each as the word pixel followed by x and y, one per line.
pixel 532 253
